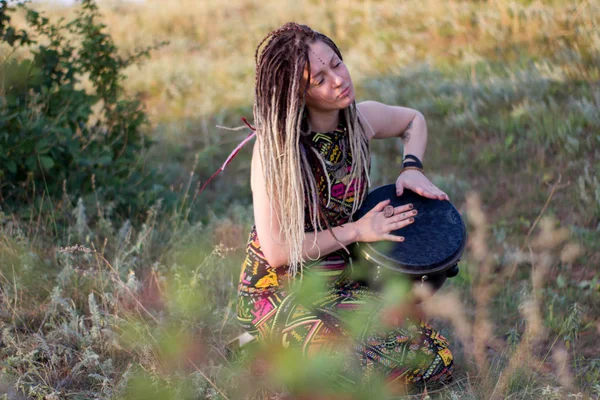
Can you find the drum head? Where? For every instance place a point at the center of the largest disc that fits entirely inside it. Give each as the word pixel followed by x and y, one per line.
pixel 433 243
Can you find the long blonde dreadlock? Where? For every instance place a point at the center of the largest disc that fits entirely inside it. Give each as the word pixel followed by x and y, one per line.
pixel 280 119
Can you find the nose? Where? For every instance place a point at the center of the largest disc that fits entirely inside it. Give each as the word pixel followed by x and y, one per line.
pixel 337 80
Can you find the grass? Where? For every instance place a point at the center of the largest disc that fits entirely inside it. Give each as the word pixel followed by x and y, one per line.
pixel 511 96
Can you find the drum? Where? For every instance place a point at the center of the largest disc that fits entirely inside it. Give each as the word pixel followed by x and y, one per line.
pixel 432 247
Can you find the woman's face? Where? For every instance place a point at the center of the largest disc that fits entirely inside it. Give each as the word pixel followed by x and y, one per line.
pixel 330 86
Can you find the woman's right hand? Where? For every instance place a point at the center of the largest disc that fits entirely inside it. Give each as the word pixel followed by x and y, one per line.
pixel 374 226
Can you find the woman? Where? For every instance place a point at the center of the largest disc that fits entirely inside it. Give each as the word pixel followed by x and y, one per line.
pixel 309 174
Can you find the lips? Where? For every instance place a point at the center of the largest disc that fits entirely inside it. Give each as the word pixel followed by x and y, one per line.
pixel 345 92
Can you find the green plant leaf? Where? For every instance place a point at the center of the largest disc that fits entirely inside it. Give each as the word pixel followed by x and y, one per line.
pixel 31 163
pixel 104 160
pixel 42 145
pixel 47 162
pixel 560 281
pixel 11 166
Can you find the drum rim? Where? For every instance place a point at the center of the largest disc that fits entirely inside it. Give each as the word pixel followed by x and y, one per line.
pixel 388 263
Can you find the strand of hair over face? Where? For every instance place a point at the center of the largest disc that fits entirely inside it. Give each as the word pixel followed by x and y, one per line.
pixel 279 116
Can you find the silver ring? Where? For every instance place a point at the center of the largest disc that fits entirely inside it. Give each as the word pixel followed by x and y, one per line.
pixel 388 211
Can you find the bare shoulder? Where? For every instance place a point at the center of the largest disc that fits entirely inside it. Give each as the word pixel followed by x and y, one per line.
pixel 368 107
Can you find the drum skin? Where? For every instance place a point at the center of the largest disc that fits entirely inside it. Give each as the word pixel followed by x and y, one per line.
pixel 432 245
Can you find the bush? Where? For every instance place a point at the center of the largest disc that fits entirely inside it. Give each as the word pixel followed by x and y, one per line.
pixel 57 137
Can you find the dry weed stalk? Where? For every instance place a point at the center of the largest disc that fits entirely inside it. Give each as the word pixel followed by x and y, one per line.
pixel 561 360
pixel 478 335
pixel 483 289
pixel 543 251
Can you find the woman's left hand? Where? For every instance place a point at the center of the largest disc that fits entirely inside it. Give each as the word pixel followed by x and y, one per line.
pixel 418 183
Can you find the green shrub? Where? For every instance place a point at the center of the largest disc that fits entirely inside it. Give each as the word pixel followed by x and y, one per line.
pixel 57 137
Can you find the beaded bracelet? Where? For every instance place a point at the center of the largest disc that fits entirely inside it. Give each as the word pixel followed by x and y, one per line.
pixel 411 168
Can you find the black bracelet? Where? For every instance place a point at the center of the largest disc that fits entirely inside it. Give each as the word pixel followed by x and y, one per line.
pixel 416 163
pixel 412 164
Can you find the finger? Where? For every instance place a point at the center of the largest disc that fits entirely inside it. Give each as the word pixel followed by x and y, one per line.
pixel 399 190
pixel 394 226
pixel 444 195
pixel 402 216
pixel 380 205
pixel 437 193
pixel 420 191
pixel 403 208
pixel 429 194
pixel 393 238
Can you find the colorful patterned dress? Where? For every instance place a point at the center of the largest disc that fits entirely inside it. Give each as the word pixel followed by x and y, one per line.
pixel 269 308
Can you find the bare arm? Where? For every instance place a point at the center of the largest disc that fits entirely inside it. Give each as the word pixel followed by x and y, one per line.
pixel 395 121
pixel 275 251
pixel 409 125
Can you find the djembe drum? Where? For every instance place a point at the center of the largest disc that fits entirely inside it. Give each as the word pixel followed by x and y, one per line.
pixel 432 245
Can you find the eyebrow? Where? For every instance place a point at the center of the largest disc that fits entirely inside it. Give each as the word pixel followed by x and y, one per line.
pixel 321 71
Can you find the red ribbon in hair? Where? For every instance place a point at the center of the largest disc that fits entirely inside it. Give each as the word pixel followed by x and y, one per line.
pixel 233 153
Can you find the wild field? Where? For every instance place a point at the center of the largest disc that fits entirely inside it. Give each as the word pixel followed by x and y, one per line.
pixel 104 307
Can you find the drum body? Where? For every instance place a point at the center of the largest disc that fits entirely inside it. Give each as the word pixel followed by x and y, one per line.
pixel 432 245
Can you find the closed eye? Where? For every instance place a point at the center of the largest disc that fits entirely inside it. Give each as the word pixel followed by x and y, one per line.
pixel 322 80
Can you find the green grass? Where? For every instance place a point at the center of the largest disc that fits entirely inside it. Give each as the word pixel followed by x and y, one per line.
pixel 511 96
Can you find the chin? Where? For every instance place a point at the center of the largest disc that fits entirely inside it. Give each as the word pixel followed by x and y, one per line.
pixel 346 101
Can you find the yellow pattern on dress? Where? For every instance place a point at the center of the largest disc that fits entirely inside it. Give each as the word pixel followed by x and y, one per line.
pixel 268 280
pixel 446 356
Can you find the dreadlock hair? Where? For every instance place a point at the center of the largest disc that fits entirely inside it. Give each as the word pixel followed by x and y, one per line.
pixel 280 117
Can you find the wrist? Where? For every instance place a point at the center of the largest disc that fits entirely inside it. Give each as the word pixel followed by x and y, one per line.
pixel 354 232
pixel 411 160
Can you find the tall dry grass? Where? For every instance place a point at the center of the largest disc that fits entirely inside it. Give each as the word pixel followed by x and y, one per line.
pixel 510 91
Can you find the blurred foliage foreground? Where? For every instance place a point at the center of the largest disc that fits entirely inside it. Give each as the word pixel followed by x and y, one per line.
pixel 116 281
